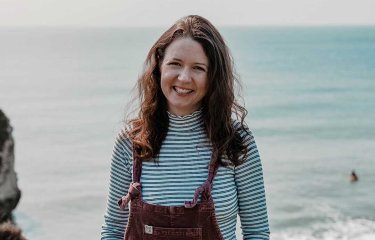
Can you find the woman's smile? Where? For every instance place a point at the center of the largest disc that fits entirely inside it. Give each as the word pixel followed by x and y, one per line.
pixel 182 91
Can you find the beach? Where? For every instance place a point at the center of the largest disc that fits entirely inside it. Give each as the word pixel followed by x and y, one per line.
pixel 309 92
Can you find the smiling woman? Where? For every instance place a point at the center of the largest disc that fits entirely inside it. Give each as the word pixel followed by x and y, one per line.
pixel 190 167
pixel 184 76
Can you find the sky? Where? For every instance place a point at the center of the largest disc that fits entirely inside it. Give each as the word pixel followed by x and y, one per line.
pixel 164 12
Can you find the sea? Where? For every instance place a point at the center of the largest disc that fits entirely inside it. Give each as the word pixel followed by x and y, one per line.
pixel 309 92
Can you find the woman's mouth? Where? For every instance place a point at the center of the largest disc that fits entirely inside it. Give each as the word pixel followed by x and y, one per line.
pixel 182 90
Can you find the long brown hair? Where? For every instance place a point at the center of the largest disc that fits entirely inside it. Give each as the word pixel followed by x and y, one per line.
pixel 149 129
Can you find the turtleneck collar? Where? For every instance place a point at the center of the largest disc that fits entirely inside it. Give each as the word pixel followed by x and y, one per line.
pixel 187 122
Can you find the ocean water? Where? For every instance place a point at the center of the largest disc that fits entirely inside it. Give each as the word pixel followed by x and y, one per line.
pixel 310 96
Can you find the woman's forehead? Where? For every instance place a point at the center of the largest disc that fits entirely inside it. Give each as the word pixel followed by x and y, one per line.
pixel 186 49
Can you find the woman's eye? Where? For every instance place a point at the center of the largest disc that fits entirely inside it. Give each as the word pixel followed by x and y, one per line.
pixel 174 63
pixel 200 68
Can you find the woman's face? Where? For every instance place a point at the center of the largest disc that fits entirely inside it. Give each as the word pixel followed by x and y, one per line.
pixel 184 76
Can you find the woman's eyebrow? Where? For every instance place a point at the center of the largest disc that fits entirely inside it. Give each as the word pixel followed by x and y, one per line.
pixel 179 60
pixel 176 59
pixel 202 64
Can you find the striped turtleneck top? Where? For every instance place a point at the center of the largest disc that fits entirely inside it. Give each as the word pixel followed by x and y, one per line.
pixel 182 167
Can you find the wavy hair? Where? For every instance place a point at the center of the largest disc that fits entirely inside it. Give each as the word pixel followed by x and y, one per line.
pixel 149 129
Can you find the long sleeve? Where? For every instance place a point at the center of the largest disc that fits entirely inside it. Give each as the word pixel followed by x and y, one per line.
pixel 251 194
pixel 115 219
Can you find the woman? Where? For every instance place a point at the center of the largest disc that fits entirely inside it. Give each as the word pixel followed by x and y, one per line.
pixel 184 169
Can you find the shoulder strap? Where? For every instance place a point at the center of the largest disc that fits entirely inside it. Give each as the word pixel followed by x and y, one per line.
pixel 205 188
pixel 212 170
pixel 137 166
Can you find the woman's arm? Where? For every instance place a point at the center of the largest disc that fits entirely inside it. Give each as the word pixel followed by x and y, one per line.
pixel 251 194
pixel 115 219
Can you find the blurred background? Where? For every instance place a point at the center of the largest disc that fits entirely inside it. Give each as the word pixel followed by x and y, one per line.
pixel 67 69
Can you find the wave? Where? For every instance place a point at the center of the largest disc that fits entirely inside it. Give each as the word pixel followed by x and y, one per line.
pixel 334 229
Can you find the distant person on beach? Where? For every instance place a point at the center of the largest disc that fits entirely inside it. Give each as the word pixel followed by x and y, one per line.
pixel 187 165
pixel 353 177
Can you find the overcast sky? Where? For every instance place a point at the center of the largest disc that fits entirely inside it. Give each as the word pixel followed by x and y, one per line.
pixel 165 12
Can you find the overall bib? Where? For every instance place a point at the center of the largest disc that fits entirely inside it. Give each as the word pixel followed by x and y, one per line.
pixel 154 222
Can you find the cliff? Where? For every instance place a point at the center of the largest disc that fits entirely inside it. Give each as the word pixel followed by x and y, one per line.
pixel 9 191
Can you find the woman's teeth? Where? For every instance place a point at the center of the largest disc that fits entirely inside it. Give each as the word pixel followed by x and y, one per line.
pixel 182 90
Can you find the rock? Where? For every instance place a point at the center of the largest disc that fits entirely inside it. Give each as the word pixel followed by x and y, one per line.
pixel 9 231
pixel 9 191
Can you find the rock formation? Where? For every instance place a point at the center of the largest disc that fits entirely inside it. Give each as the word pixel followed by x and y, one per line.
pixel 9 192
pixel 9 231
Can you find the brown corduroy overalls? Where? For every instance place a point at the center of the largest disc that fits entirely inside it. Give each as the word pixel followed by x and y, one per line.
pixel 154 222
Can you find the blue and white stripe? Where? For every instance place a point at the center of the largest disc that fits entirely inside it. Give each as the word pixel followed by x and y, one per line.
pixel 182 167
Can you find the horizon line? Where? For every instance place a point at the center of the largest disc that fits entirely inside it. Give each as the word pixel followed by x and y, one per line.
pixel 166 26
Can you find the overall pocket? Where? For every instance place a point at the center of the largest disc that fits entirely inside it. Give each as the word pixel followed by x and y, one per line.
pixel 161 233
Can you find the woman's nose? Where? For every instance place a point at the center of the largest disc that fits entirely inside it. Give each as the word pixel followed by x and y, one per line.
pixel 184 75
